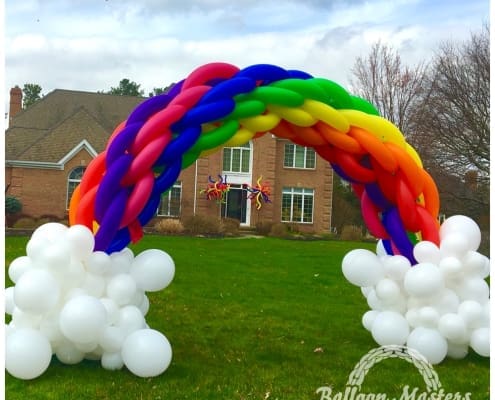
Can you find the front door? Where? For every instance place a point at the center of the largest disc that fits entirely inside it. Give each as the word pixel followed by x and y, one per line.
pixel 235 203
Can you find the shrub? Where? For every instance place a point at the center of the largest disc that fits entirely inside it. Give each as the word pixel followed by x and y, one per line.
pixel 230 226
pixel 264 227
pixel 351 232
pixel 25 222
pixel 203 225
pixel 169 226
pixel 12 205
pixel 279 230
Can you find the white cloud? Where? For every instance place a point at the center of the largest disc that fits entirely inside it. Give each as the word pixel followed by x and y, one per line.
pixel 91 45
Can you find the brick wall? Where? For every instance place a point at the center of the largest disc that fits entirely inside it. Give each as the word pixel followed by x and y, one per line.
pixel 43 191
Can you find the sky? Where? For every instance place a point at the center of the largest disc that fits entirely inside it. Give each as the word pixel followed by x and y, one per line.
pixel 91 45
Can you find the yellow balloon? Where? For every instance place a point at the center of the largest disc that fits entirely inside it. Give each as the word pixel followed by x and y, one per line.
pixel 260 123
pixel 295 116
pixel 327 114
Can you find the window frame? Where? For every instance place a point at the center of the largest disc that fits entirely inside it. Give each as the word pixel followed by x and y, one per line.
pixel 293 161
pixel 245 156
pixel 307 194
pixel 168 195
pixel 73 181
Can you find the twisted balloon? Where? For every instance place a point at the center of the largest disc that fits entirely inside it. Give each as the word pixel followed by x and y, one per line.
pixel 220 105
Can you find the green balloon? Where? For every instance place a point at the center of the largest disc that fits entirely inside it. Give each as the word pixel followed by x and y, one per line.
pixel 276 95
pixel 216 137
pixel 363 105
pixel 338 97
pixel 307 88
pixel 246 108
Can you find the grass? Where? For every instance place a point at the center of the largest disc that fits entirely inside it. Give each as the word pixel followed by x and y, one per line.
pixel 244 317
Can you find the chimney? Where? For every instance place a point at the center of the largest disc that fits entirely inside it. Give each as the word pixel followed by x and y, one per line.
pixel 15 102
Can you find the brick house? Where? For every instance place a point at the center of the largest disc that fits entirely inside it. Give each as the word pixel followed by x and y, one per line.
pixel 48 146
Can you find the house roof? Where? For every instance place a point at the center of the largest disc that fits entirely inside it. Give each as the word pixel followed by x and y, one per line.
pixel 49 129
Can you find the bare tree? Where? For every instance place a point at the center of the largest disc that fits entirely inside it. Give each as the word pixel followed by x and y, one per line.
pixel 391 86
pixel 453 120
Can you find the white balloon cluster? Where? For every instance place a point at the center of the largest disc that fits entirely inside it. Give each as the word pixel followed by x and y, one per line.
pixel 77 303
pixel 440 306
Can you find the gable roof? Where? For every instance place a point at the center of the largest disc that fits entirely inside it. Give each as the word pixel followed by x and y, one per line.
pixel 53 126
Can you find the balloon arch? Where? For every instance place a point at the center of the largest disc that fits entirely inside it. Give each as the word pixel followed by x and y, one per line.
pixel 81 292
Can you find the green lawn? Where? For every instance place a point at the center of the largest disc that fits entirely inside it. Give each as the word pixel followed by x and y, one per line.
pixel 244 317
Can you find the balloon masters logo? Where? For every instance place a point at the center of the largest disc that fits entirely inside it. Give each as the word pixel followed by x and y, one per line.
pixel 352 391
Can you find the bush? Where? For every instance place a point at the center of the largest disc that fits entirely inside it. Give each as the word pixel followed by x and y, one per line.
pixel 351 232
pixel 230 226
pixel 279 230
pixel 203 225
pixel 169 226
pixel 264 227
pixel 12 205
pixel 25 222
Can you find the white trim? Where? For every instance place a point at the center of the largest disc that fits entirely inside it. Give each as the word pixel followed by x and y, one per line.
pixel 83 144
pixel 33 164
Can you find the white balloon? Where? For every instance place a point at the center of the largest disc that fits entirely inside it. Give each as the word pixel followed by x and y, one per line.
pixel 426 252
pixel 9 300
pixel 87 347
pixel 369 318
pixel 121 263
pixel 145 305
pixel 55 257
pixel 454 244
pixel 51 231
pixel 23 319
pixel 476 264
pixel 37 291
pixel 121 288
pixel 428 317
pixel 98 263
pixel 395 267
pixel 112 338
pixel 450 266
pixel 50 327
pixel 130 319
pixel 366 291
pixel 68 353
pixel 464 225
pixel 374 302
pixel 94 285
pixel 153 270
pixel 380 249
pixel 453 327
pixel 81 241
pixel 474 289
pixel 480 341
pixel 390 327
pixel 362 267
pixel 27 353
pixel 430 343
pixel 112 361
pixel 74 275
pixel 18 267
pixel 83 319
pixel 387 290
pixel 412 317
pixel 446 301
pixel 423 280
pixel 112 310
pixel 146 353
pixel 35 246
pixel 472 313
pixel 457 351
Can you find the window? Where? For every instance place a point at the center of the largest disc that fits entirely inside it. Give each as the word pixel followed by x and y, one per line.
pixel 170 203
pixel 237 159
pixel 74 179
pixel 297 205
pixel 299 157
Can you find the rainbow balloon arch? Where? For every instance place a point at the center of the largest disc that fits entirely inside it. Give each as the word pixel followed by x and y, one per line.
pixel 440 307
